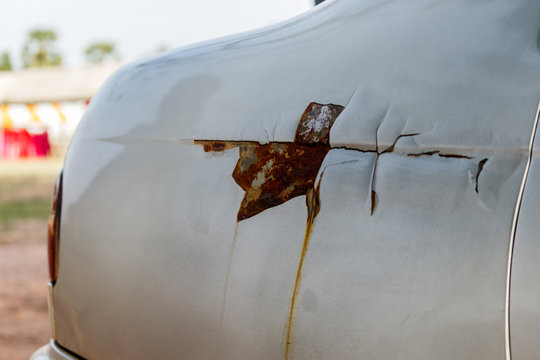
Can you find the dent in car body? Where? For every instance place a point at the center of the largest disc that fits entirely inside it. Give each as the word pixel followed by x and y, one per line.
pixel 274 173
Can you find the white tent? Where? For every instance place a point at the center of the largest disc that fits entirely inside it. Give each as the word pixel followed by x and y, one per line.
pixel 52 84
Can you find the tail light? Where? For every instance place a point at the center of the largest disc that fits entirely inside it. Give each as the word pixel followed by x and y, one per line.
pixel 53 236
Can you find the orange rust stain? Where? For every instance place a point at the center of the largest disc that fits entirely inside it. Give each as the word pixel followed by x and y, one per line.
pixel 216 145
pixel 227 276
pixel 373 201
pixel 313 207
pixel 275 173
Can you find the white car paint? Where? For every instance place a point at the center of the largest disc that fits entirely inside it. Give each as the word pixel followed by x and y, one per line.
pixel 153 263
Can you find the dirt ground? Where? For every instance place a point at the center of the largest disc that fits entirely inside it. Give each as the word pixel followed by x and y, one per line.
pixel 24 320
pixel 25 192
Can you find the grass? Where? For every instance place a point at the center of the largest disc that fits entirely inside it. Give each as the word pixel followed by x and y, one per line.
pixel 26 189
pixel 36 208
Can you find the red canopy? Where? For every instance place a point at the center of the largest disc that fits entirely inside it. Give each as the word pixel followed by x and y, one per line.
pixel 19 143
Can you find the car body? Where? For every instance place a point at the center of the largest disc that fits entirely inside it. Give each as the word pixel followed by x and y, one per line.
pixel 358 182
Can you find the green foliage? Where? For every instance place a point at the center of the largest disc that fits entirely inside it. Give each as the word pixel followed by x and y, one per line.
pixel 5 62
pixel 21 209
pixel 39 49
pixel 97 53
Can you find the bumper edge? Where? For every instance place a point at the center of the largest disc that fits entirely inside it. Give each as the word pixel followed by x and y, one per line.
pixel 51 351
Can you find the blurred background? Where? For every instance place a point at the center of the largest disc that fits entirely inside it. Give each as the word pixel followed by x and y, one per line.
pixel 54 55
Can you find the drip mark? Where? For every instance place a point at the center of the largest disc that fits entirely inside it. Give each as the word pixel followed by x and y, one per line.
pixel 313 205
pixel 373 201
pixel 227 276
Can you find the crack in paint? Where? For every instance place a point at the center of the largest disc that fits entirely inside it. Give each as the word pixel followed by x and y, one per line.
pixel 480 168
pixel 425 153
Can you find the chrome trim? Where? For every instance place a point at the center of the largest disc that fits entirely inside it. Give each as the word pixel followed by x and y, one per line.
pixel 50 298
pixel 507 343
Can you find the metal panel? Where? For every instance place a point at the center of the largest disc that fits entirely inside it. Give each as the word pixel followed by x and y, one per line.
pixel 406 253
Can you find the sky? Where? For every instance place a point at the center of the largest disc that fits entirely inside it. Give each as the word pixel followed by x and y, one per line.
pixel 137 27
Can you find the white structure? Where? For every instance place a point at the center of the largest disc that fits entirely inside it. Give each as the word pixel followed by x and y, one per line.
pixel 49 99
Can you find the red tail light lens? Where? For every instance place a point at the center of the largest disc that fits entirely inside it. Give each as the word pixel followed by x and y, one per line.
pixel 53 236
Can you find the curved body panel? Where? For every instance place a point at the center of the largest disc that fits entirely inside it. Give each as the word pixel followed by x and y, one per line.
pixel 340 186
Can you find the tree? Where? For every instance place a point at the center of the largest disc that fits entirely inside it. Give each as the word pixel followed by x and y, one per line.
pixel 39 49
pixel 5 62
pixel 97 53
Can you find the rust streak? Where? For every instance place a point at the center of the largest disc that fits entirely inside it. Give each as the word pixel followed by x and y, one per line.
pixel 313 207
pixel 227 277
pixel 273 173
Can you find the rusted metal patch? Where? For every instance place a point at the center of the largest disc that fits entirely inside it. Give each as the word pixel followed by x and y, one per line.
pixel 276 172
pixel 217 145
pixel 315 123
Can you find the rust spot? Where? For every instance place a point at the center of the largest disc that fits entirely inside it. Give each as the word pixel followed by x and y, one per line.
pixel 216 145
pixel 274 173
pixel 315 123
